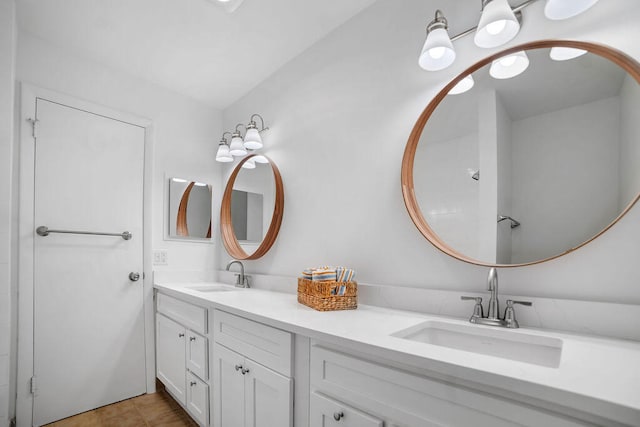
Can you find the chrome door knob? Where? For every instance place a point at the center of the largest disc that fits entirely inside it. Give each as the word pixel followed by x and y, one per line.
pixel 134 277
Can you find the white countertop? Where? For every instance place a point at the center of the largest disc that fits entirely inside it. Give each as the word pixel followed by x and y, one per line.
pixel 596 375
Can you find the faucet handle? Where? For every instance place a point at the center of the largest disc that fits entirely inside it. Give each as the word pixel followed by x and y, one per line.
pixel 510 313
pixel 511 302
pixel 478 312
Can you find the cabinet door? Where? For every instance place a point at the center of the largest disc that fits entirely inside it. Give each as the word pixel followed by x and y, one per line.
pixel 268 397
pixel 198 399
pixel 228 388
pixel 170 356
pixel 197 355
pixel 325 412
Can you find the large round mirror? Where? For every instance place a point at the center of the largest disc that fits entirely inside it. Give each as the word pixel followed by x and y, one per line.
pixel 527 155
pixel 252 208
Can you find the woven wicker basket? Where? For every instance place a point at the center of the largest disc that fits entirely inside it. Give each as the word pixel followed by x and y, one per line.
pixel 321 295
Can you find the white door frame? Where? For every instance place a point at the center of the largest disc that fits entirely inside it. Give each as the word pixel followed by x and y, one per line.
pixel 26 230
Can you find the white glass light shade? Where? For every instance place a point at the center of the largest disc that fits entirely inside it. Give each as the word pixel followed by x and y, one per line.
pixel 252 139
pixel 565 53
pixel 437 52
pixel 260 159
pixel 509 66
pixel 223 154
pixel 462 86
pixel 565 9
pixel 249 164
pixel 178 180
pixel 498 24
pixel 237 148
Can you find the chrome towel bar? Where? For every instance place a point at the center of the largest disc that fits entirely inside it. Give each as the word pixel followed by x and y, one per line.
pixel 44 231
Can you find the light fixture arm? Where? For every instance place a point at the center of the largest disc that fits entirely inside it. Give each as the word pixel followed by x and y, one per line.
pixel 252 123
pixel 223 139
pixel 237 132
pixel 517 10
pixel 438 22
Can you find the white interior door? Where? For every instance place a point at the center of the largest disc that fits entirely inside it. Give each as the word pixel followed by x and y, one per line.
pixel 89 347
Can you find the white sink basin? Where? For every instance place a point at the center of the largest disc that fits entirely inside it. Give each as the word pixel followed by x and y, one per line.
pixel 213 288
pixel 507 344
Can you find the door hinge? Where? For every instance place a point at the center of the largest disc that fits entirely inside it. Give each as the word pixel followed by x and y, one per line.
pixel 33 385
pixel 34 127
pixel 12 423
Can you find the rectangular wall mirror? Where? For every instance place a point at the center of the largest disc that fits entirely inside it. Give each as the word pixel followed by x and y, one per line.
pixel 189 210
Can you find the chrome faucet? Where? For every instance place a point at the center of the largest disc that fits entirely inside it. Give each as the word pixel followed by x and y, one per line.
pixel 242 280
pixel 493 310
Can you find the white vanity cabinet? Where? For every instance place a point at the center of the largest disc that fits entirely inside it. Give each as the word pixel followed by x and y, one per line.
pixel 182 359
pixel 326 412
pixel 251 373
pixel 368 393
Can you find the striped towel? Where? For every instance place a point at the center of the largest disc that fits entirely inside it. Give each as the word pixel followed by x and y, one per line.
pixel 307 273
pixel 344 274
pixel 326 274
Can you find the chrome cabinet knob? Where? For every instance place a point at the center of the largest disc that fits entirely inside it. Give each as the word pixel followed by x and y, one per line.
pixel 134 277
pixel 192 383
pixel 244 371
pixel 180 335
pixel 338 415
pixel 192 338
pixel 238 367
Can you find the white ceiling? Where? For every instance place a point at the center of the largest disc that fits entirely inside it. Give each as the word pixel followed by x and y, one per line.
pixel 545 86
pixel 193 47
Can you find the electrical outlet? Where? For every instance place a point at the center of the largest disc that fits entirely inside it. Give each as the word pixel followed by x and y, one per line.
pixel 160 258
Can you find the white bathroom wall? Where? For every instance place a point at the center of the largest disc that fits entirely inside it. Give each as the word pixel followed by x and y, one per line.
pixel 340 115
pixel 629 137
pixel 7 75
pixel 504 197
pixel 442 176
pixel 185 131
pixel 553 191
pixel 488 164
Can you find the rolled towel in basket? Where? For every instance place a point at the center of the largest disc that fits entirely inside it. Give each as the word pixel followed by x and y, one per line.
pixel 344 274
pixel 307 273
pixel 327 274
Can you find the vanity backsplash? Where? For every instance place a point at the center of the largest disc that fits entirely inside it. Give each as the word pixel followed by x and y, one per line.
pixel 582 317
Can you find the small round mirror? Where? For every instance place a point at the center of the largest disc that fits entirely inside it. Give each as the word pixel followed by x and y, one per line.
pixel 252 208
pixel 528 155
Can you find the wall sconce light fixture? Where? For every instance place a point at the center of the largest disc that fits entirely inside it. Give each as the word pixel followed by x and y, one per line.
pixel 499 23
pixel 240 146
pixel 438 52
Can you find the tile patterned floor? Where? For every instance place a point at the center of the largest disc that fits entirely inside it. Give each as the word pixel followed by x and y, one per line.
pixel 148 410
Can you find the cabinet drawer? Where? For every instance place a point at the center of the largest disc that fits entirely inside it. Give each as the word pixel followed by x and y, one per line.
pixel 189 315
pixel 198 355
pixel 268 346
pixel 411 399
pixel 198 399
pixel 326 412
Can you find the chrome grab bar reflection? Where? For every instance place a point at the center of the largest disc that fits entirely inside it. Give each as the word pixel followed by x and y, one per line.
pixel 44 231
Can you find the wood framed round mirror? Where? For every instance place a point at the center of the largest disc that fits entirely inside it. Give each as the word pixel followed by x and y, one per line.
pixel 246 203
pixel 523 170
